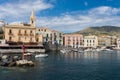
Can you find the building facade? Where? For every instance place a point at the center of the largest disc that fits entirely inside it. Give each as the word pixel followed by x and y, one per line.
pixel 118 43
pixel 73 40
pixel 24 33
pixel 90 41
pixel 57 37
pixel 107 40
pixel 46 34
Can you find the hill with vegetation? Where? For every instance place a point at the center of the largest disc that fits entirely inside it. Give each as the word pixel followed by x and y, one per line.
pixel 103 30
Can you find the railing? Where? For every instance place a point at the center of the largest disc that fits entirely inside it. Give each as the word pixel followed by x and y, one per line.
pixel 31 34
pixel 10 34
pixel 25 34
pixel 19 34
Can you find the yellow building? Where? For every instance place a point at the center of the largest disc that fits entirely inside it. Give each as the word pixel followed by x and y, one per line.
pixel 25 33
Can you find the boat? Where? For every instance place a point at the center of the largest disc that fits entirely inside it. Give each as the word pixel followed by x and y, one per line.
pixel 108 50
pixel 41 55
pixel 64 51
pixel 27 54
pixel 87 50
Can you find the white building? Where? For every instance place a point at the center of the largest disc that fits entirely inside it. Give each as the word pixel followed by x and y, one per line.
pixel 118 43
pixel 46 34
pixel 90 41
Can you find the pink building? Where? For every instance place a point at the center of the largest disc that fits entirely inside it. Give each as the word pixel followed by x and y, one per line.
pixel 73 40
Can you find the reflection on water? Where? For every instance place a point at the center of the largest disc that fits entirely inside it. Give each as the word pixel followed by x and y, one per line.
pixel 104 65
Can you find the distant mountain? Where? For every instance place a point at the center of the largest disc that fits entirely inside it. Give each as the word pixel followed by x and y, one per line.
pixel 103 30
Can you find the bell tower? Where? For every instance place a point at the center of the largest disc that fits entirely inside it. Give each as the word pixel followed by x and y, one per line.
pixel 32 19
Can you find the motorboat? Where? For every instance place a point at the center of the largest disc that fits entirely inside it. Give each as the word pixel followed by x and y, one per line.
pixel 41 55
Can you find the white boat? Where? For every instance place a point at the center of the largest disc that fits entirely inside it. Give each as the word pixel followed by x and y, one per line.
pixel 41 55
pixel 27 54
pixel 64 51
pixel 108 50
pixel 87 50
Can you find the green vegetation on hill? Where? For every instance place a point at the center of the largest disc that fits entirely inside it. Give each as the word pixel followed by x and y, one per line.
pixel 104 30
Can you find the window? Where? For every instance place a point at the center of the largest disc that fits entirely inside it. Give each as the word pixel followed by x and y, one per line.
pixel 37 40
pixel 10 38
pixel 90 41
pixel 25 31
pixel 60 35
pixel 10 31
pixel 19 31
pixel 45 30
pixel 47 35
pixel 32 21
pixel 31 31
pixel 19 39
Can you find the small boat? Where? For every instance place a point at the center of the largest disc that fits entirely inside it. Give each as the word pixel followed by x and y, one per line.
pixel 41 55
pixel 108 50
pixel 63 51
pixel 27 54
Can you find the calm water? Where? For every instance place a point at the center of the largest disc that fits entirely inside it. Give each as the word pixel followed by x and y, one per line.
pixel 73 66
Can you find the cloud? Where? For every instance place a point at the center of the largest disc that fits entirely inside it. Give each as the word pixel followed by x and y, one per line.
pixel 71 22
pixel 21 9
pixel 86 3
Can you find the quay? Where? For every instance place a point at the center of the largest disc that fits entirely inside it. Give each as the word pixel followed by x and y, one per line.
pixel 18 48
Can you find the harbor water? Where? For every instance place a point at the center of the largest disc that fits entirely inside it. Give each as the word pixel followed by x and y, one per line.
pixel 104 65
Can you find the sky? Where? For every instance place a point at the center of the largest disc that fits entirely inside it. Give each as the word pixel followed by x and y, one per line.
pixel 63 15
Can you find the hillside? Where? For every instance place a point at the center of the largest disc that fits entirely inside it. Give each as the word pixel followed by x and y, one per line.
pixel 103 30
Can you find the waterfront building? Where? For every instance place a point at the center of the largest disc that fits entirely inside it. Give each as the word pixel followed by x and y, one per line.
pixel 22 32
pixel 107 40
pixel 57 37
pixel 73 40
pixel 46 34
pixel 50 36
pixel 118 43
pixel 90 41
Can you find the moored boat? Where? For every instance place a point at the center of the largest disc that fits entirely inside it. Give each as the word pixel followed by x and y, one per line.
pixel 41 55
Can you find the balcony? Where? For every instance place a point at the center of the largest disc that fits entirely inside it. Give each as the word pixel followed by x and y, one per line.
pixel 25 34
pixel 11 34
pixel 31 34
pixel 19 34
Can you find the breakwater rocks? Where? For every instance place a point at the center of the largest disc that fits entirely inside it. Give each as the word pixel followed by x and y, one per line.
pixel 8 61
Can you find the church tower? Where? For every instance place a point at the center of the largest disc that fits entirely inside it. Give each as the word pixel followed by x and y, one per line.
pixel 32 19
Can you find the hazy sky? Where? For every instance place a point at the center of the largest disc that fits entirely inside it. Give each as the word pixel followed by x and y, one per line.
pixel 62 15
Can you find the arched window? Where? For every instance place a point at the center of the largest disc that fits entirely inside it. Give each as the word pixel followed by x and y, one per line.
pixel 10 31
